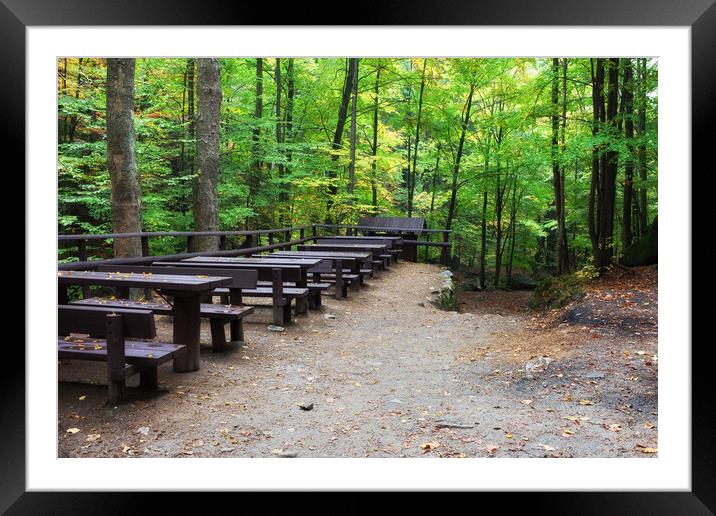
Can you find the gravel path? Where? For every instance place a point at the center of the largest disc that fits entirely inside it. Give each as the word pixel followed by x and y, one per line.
pixel 390 376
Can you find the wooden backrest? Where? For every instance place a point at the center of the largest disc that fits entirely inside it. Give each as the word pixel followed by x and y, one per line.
pixel 386 242
pixel 92 320
pixel 240 278
pixel 263 272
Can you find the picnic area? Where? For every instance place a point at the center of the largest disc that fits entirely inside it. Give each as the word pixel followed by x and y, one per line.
pixel 459 262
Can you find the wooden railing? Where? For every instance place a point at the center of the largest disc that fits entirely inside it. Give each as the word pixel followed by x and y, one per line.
pixel 251 243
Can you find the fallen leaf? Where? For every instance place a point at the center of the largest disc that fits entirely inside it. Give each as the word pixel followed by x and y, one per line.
pixel 81 398
pixel 429 446
pixel 648 425
pixel 73 430
pixel 93 437
pixel 585 402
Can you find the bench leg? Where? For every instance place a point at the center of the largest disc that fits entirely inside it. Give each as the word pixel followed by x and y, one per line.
pixel 218 337
pixel 286 312
pixel 301 306
pixel 225 299
pixel 355 285
pixel 117 390
pixel 148 378
pixel 344 290
pixel 237 331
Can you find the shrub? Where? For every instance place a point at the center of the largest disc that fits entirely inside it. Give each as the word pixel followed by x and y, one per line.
pixel 557 291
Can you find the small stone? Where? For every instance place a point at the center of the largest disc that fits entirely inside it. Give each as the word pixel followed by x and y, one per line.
pixel 227 449
pixel 396 400
pixel 453 424
pixel 275 328
pixel 329 316
pixel 285 454
pixel 144 430
pixel 421 304
pixel 305 406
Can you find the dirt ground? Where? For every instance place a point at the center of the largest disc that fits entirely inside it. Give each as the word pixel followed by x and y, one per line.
pixel 393 376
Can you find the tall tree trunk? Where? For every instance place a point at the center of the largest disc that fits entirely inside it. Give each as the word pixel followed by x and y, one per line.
pixel 288 132
pixel 255 172
pixel 126 195
pixel 206 202
pixel 627 207
pixel 190 132
pixel 561 250
pixel 411 177
pixel 338 134
pixel 352 163
pixel 456 169
pixel 282 196
pixel 641 151
pixel 611 163
pixel 483 239
pixel 594 203
pixel 374 146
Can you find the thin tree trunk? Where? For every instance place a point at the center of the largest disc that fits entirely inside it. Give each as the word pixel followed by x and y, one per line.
pixel 374 147
pixel 608 187
pixel 288 130
pixel 352 163
pixel 456 168
pixel 206 202
pixel 483 239
pixel 126 195
pixel 255 171
pixel 411 177
pixel 641 152
pixel 627 207
pixel 338 134
pixel 594 203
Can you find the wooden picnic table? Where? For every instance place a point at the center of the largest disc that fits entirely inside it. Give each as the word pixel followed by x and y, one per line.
pixel 186 291
pixel 375 249
pixel 388 239
pixel 349 260
pixel 304 264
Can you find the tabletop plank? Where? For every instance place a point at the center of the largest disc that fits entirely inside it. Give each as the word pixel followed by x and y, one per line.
pixel 137 280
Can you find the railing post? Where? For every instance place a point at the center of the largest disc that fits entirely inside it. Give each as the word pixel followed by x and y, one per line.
pixel 302 233
pixel 82 256
pixel 222 242
pixel 145 252
pixel 315 230
pixel 288 235
pixel 270 238
pixel 189 243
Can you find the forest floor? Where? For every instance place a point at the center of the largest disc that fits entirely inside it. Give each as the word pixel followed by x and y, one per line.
pixel 393 376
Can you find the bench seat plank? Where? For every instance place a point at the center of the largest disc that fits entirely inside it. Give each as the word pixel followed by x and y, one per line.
pixel 137 352
pixel 207 310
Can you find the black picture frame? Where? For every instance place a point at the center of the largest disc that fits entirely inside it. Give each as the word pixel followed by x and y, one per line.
pixel 700 15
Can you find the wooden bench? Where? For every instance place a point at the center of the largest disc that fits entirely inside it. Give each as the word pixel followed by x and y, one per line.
pixel 219 315
pixel 276 275
pixel 109 331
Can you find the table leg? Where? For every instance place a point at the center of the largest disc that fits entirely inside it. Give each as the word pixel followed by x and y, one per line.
pixel 187 324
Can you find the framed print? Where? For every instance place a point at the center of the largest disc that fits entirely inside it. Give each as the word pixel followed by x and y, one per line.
pixel 431 233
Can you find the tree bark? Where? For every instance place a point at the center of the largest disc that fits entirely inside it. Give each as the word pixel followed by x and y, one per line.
pixel 255 171
pixel 412 176
pixel 594 203
pixel 611 163
pixel 206 202
pixel 352 163
pixel 456 169
pixel 374 146
pixel 561 250
pixel 126 195
pixel 627 207
pixel 338 134
pixel 641 151
pixel 483 239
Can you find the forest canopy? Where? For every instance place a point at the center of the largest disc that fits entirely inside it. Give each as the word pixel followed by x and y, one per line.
pixel 534 164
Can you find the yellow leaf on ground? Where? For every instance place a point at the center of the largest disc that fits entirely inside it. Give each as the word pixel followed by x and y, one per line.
pixel 585 402
pixel 73 430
